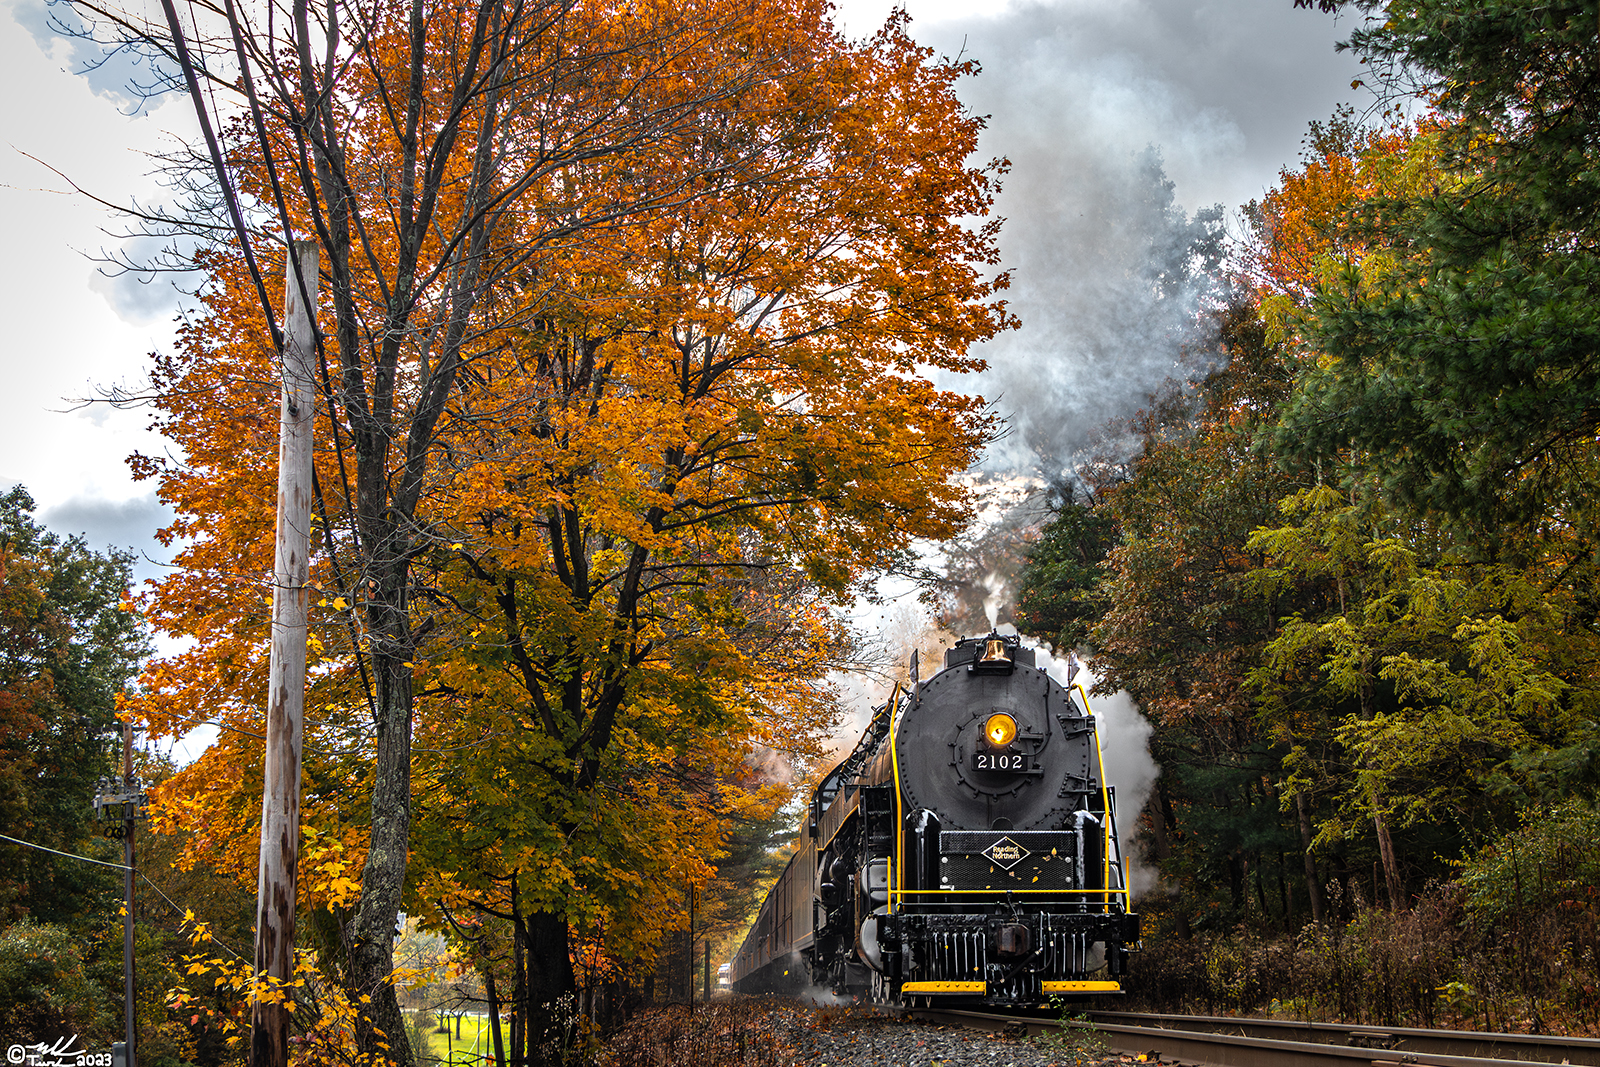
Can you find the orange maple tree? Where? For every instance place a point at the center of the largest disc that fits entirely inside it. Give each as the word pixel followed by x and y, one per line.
pixel 626 375
pixel 1320 217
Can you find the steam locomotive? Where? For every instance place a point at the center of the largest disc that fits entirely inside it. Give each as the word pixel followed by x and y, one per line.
pixel 965 852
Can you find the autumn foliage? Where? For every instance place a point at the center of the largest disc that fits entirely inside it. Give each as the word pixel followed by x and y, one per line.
pixel 627 351
pixel 1349 575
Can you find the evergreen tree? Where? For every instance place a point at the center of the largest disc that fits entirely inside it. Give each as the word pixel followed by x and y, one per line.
pixel 1467 375
pixel 66 649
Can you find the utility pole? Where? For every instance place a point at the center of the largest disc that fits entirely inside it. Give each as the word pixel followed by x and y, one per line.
pixel 131 812
pixel 286 686
pixel 123 793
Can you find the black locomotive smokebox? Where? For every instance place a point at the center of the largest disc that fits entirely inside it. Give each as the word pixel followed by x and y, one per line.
pixel 946 763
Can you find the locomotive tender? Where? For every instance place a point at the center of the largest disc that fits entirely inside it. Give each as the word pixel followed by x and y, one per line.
pixel 965 851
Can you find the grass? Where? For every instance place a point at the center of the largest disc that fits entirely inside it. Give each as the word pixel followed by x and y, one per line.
pixel 1076 1038
pixel 476 1041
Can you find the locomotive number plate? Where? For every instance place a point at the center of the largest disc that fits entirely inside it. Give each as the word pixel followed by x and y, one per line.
pixel 999 761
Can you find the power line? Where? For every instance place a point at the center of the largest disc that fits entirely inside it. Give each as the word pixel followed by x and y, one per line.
pixel 174 905
pixel 68 855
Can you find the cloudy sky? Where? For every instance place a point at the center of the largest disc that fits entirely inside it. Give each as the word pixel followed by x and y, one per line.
pixel 1077 91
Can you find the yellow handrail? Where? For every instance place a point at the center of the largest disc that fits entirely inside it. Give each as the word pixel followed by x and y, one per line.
pixel 1105 797
pixel 897 865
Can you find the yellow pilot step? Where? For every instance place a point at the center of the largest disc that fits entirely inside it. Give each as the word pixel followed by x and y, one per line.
pixel 1080 987
pixel 944 987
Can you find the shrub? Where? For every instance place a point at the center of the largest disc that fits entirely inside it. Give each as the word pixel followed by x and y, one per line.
pixel 45 993
pixel 733 1033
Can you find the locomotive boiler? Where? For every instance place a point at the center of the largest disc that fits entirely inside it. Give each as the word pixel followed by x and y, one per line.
pixel 965 852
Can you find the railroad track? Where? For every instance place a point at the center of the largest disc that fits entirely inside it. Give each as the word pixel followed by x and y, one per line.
pixel 1228 1042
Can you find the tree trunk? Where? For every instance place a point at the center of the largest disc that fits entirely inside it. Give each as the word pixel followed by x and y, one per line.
pixel 1284 896
pixel 1163 822
pixel 1313 886
pixel 383 878
pixel 519 979
pixel 1391 867
pixel 494 1021
pixel 551 985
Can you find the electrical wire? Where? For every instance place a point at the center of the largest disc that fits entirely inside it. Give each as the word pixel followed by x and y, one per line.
pixel 68 855
pixel 174 905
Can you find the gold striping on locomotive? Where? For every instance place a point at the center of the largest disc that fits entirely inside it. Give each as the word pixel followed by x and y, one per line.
pixel 944 987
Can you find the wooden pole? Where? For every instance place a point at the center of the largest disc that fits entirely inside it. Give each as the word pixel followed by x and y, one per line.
pixel 286 686
pixel 130 813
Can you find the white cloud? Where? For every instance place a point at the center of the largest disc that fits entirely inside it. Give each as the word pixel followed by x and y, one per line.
pixel 63 338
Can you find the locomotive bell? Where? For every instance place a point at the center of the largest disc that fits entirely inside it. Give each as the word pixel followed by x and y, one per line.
pixel 996 658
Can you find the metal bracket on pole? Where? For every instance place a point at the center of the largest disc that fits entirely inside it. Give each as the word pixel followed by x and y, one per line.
pixel 121 799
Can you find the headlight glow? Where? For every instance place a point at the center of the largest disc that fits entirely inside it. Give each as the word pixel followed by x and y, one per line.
pixel 1001 729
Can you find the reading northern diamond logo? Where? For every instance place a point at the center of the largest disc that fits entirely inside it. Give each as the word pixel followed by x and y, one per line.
pixel 1006 853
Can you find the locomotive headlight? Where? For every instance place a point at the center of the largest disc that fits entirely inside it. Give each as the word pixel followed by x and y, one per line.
pixel 1001 729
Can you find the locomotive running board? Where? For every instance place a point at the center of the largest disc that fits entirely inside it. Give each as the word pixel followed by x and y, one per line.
pixel 1080 987
pixel 944 987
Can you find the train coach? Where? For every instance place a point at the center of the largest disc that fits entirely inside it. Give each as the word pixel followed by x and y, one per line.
pixel 964 853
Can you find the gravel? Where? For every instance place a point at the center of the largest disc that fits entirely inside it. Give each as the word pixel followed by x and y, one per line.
pixel 863 1037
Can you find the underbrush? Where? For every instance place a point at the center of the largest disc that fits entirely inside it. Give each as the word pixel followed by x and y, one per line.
pixel 730 1033
pixel 1076 1039
pixel 1446 962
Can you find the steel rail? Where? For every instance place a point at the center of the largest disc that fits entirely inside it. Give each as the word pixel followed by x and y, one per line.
pixel 1526 1048
pixel 1201 1040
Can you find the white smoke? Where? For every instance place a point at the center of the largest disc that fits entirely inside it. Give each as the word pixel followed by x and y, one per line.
pixel 1108 271
pixel 1125 751
pixel 823 997
pixel 770 765
pixel 998 589
pixel 1123 121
